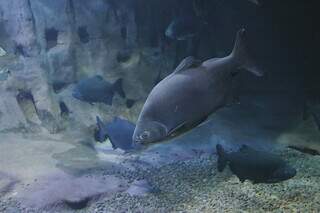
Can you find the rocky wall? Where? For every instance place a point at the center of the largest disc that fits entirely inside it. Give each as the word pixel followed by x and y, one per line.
pixel 50 45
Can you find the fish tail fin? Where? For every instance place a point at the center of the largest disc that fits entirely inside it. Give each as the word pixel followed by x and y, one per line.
pixel 99 134
pixel 240 54
pixel 222 158
pixel 117 86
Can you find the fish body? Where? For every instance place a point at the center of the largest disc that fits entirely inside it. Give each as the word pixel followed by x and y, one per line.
pixel 96 90
pixel 256 166
pixel 119 132
pixel 190 94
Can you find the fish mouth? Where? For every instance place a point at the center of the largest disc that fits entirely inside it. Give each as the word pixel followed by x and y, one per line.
pixel 139 141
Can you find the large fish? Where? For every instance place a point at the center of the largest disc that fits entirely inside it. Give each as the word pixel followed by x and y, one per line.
pixel 257 166
pixel 186 97
pixel 96 90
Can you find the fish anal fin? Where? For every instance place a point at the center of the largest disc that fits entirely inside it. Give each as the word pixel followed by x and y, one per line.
pixel 114 146
pixel 187 63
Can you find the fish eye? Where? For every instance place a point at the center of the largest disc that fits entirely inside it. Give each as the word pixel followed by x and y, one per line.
pixel 145 135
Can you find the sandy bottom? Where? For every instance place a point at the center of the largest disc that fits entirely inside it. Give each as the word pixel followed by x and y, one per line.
pixel 68 172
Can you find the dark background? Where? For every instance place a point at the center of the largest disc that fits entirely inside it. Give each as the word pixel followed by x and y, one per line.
pixel 282 35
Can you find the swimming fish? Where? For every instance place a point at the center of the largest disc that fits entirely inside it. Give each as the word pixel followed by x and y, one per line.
pixel 184 28
pixel 119 132
pixel 130 103
pixel 256 166
pixel 185 98
pixel 95 89
pixel 305 150
pixel 64 111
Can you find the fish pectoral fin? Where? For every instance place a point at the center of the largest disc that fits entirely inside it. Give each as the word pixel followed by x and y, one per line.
pixel 186 126
pixel 175 131
pixel 186 63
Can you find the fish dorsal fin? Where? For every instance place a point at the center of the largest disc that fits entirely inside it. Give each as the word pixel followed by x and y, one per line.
pixel 186 63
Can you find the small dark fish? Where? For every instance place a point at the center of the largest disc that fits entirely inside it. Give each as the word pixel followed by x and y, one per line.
pixel 25 95
pixel 64 111
pixel 305 150
pixel 51 36
pixel 20 50
pixel 96 89
pixel 83 34
pixel 257 166
pixel 119 132
pixel 184 28
pixel 124 55
pixel 58 86
pixel 130 103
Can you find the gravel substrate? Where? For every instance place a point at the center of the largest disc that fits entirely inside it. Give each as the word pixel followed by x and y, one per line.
pixel 195 186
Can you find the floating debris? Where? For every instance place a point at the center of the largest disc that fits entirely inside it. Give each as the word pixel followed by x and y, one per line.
pixel 4 74
pixel 2 52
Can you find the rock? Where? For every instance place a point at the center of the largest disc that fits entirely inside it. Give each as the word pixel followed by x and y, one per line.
pixel 77 203
pixel 62 189
pixel 7 183
pixel 61 65
pixel 140 188
pixel 11 115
